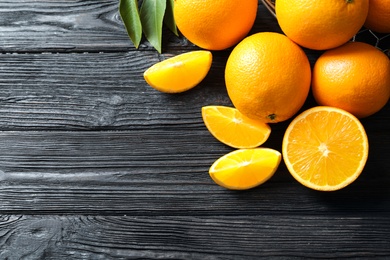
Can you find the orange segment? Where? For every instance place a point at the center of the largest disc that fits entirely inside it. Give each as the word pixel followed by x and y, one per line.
pixel 179 73
pixel 325 148
pixel 232 128
pixel 246 168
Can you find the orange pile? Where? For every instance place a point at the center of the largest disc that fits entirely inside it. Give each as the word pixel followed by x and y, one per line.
pixel 268 78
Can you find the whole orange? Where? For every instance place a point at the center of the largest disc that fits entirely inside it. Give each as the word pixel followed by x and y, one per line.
pixel 268 77
pixel 378 18
pixel 215 24
pixel 354 77
pixel 321 24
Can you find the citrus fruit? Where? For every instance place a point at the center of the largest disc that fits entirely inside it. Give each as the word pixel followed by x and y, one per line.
pixel 179 73
pixel 354 77
pixel 268 77
pixel 234 129
pixel 215 25
pixel 325 148
pixel 245 168
pixel 378 18
pixel 321 24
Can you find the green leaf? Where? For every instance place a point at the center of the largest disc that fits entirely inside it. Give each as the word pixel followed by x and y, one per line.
pixel 169 19
pixel 152 15
pixel 128 10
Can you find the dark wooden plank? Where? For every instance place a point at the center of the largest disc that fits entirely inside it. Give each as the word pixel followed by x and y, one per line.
pixel 61 26
pixel 222 237
pixel 78 26
pixel 159 172
pixel 96 91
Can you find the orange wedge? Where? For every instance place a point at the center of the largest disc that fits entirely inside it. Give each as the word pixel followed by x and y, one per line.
pixel 325 148
pixel 245 168
pixel 179 73
pixel 232 128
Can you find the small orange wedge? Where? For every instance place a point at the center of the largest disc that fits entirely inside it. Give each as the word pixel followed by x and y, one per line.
pixel 234 129
pixel 245 168
pixel 325 148
pixel 179 73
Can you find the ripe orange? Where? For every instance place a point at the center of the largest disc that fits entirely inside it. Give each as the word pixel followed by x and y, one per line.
pixel 179 73
pixel 325 148
pixel 321 24
pixel 268 77
pixel 215 25
pixel 245 168
pixel 378 18
pixel 234 129
pixel 354 77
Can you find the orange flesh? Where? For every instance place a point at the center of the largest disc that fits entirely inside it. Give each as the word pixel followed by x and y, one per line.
pixel 245 168
pixel 232 128
pixel 326 150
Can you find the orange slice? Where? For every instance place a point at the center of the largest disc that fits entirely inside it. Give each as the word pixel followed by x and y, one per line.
pixel 232 128
pixel 179 73
pixel 245 168
pixel 325 148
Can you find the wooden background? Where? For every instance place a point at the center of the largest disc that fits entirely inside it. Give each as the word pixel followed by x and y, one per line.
pixel 95 164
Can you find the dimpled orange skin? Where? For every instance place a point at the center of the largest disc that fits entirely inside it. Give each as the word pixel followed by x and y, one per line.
pixel 354 77
pixel 321 24
pixel 215 24
pixel 268 77
pixel 378 18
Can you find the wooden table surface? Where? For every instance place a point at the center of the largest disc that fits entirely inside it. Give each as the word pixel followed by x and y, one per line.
pixel 95 164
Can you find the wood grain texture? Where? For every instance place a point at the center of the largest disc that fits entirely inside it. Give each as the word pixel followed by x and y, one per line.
pixel 223 237
pixel 157 172
pixel 61 26
pixel 95 91
pixel 95 164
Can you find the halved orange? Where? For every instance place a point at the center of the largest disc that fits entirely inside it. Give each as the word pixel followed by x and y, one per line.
pixel 234 129
pixel 179 73
pixel 245 168
pixel 325 148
